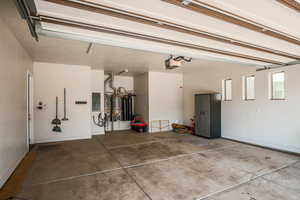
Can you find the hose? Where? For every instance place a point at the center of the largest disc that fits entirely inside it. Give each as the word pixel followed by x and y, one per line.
pixel 101 121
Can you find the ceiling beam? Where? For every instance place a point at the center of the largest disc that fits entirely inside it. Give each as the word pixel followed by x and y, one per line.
pixel 151 38
pixel 218 13
pixel 123 14
pixel 291 4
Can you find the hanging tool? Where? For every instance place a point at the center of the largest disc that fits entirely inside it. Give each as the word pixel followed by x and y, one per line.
pixel 56 121
pixel 130 108
pixel 56 128
pixel 101 120
pixel 65 106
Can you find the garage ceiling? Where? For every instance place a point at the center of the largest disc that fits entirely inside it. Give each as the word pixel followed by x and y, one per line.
pixel 202 29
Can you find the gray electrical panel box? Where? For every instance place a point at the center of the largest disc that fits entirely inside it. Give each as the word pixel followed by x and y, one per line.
pixel 208 115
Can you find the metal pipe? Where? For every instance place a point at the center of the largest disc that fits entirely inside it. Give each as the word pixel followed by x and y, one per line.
pixel 130 108
pixel 279 66
pixel 89 48
pixel 127 108
pixel 112 112
pixel 105 82
pixel 115 100
pixel 110 82
pixel 124 91
pixel 24 11
pixel 65 106
pixel 123 71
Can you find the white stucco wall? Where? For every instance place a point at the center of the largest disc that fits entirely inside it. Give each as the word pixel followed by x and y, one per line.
pixel 14 63
pixel 97 86
pixel 50 80
pixel 264 122
pixel 141 88
pixel 165 98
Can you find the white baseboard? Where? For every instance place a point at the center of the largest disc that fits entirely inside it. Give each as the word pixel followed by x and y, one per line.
pixel 98 133
pixel 120 129
pixel 61 139
pixel 10 170
pixel 279 147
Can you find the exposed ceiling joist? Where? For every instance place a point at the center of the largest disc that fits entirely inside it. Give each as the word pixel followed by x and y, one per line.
pixel 291 3
pixel 114 12
pixel 212 11
pixel 128 34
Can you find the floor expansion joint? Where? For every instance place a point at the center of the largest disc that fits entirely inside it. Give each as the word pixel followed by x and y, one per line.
pixel 129 175
pixel 245 182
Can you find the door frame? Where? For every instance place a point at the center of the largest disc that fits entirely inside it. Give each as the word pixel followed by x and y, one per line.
pixel 29 110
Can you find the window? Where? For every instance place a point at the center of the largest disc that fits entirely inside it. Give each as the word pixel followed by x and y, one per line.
pixel 96 102
pixel 249 88
pixel 277 86
pixel 227 90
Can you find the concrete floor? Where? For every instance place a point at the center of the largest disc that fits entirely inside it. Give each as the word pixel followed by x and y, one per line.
pixel 160 166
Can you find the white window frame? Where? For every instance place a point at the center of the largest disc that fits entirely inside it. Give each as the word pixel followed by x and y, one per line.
pixel 245 91
pixel 224 95
pixel 271 91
